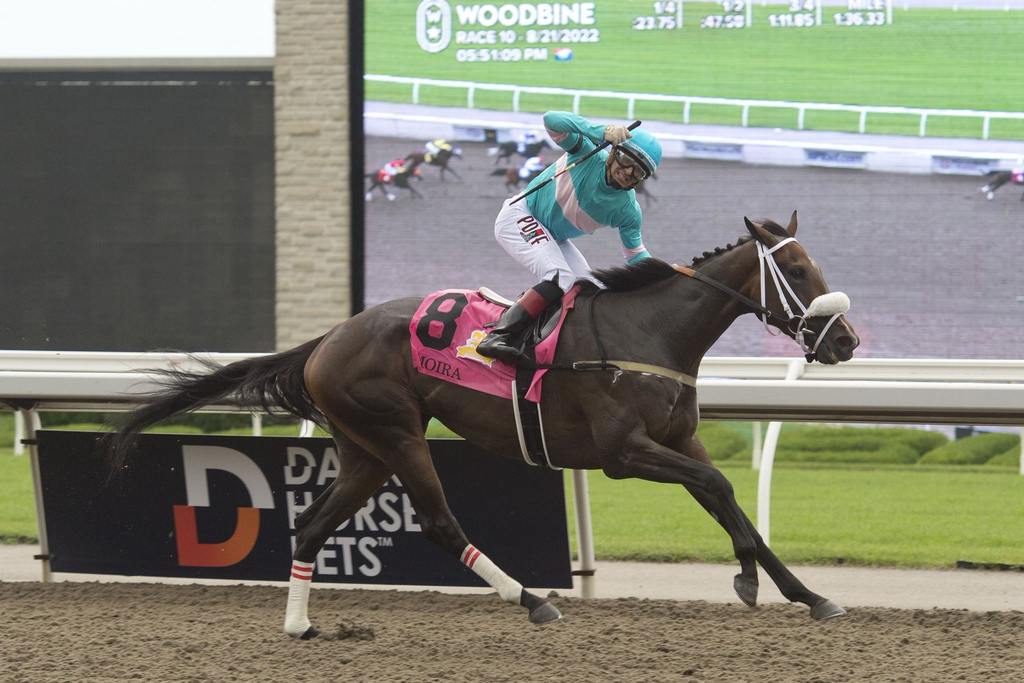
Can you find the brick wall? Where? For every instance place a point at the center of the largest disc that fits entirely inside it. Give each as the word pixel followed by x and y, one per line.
pixel 312 168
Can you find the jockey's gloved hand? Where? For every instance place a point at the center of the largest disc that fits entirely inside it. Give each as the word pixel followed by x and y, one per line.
pixel 616 134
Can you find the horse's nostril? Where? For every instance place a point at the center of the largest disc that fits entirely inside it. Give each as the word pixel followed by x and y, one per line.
pixel 846 342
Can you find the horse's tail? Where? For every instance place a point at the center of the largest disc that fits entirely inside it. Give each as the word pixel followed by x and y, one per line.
pixel 266 382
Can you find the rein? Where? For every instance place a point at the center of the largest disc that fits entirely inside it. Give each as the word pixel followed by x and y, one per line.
pixel 833 304
pixel 618 366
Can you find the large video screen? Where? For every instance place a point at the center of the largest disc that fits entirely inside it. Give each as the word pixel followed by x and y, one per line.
pixel 894 128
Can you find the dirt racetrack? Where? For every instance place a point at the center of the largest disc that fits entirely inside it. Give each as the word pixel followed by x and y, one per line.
pixel 150 632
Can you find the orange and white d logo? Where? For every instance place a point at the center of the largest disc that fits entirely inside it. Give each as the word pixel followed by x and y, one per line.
pixel 197 460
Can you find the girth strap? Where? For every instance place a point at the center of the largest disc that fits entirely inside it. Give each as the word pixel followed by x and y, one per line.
pixel 630 366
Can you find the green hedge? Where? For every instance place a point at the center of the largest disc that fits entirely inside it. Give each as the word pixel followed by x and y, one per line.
pixel 859 439
pixel 890 454
pixel 974 450
pixel 721 442
pixel 1010 458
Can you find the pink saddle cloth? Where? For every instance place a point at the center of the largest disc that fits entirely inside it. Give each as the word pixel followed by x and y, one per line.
pixel 446 329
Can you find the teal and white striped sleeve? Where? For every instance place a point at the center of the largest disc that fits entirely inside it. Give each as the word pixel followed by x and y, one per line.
pixel 572 132
pixel 632 241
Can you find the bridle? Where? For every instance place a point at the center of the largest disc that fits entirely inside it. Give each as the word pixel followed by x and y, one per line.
pixel 833 304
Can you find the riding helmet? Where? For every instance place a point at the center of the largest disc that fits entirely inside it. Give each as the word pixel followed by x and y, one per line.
pixel 645 148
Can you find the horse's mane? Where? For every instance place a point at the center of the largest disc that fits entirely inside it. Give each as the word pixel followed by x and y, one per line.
pixel 769 225
pixel 651 270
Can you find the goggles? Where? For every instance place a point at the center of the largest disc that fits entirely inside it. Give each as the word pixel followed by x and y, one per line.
pixel 626 160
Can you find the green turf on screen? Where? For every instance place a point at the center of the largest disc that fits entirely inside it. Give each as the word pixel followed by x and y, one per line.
pixel 933 58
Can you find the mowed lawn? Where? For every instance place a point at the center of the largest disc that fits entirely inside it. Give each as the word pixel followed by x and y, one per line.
pixel 934 58
pixel 895 516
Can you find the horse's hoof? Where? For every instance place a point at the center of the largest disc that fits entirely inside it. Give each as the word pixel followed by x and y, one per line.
pixel 746 589
pixel 544 613
pixel 308 634
pixel 826 609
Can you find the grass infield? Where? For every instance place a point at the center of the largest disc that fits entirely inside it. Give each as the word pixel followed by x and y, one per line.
pixel 933 58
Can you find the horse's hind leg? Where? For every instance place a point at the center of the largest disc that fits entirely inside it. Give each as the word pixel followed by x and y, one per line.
pixel 790 586
pixel 359 477
pixel 647 459
pixel 414 467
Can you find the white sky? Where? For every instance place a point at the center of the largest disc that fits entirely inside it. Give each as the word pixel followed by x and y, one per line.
pixel 106 29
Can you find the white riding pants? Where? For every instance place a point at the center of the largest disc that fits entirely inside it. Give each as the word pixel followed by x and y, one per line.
pixel 530 243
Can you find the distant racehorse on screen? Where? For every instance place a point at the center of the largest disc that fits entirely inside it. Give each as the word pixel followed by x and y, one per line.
pixel 999 178
pixel 395 173
pixel 441 159
pixel 632 418
pixel 506 150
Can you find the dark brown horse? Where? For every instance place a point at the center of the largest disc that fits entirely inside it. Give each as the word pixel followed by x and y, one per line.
pixel 358 381
pixel 997 179
pixel 512 178
pixel 385 178
pixel 504 151
pixel 441 160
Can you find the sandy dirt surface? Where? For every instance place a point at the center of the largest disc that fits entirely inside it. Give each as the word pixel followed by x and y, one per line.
pixel 115 632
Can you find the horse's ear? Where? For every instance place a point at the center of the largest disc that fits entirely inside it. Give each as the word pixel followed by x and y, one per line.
pixel 756 230
pixel 791 228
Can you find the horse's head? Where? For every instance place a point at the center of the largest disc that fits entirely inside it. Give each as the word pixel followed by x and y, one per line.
pixel 790 284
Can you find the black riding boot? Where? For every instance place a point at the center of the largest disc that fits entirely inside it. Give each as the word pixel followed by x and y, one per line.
pixel 505 341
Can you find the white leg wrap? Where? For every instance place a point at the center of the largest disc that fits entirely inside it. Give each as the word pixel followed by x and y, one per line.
pixel 508 588
pixel 296 619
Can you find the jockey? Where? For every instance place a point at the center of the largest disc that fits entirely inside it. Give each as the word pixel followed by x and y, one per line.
pixel 531 167
pixel 390 170
pixel 596 193
pixel 525 140
pixel 437 146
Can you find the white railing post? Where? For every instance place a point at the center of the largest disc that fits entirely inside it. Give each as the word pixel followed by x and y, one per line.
pixel 629 108
pixel 1022 451
pixel 470 93
pixel 32 424
pixel 686 112
pixel 415 92
pixel 863 120
pixel 576 103
pixel 746 114
pixel 985 126
pixel 764 478
pixel 584 533
pixel 257 424
pixel 19 434
pixel 924 124
pixel 800 118
pixel 306 428
pixel 515 100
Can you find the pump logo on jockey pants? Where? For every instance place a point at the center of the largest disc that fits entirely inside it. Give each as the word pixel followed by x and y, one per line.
pixel 532 231
pixel 197 461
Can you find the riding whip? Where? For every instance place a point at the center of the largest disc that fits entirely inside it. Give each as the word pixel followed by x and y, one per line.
pixel 571 166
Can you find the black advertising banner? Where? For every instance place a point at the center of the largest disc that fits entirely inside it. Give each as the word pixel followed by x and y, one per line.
pixel 223 507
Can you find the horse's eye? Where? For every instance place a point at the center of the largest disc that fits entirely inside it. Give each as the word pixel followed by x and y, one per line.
pixel 797 272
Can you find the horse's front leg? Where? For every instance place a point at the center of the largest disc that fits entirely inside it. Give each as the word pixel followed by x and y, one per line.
pixel 790 586
pixel 643 458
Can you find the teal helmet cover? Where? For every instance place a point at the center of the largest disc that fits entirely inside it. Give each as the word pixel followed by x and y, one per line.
pixel 646 148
